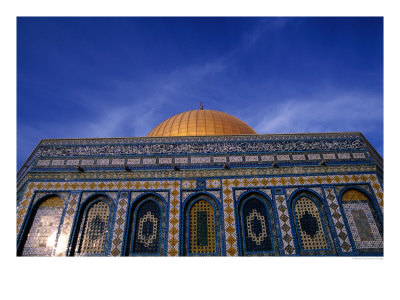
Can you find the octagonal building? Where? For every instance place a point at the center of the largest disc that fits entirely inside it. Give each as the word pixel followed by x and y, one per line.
pixel 202 183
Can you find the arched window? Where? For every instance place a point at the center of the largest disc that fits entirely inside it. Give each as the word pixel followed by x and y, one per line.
pixel 312 228
pixel 146 227
pixel 42 228
pixel 202 227
pixel 365 226
pixel 257 226
pixel 94 227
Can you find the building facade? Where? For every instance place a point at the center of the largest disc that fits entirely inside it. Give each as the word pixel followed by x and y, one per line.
pixel 203 183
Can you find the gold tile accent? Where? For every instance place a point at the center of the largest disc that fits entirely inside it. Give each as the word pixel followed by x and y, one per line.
pixel 353 195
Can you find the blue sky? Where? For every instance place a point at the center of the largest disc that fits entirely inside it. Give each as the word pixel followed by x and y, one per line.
pixel 120 77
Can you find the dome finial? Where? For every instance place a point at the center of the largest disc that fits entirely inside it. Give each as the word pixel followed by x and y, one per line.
pixel 201 105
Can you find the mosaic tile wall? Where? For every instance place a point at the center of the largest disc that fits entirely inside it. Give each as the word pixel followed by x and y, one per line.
pixel 42 236
pixel 95 229
pixel 256 228
pixel 309 225
pixel 147 234
pixel 201 228
pixel 362 226
pixel 230 189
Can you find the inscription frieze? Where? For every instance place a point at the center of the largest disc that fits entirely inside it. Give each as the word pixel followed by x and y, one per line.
pixel 197 148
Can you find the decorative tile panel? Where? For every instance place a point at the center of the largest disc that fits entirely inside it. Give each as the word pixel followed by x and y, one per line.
pixel 165 160
pixel 299 157
pixel 227 198
pixel 57 162
pixel 309 225
pixel 338 220
pixel 344 155
pixel 285 226
pixel 188 184
pixel 103 162
pixel 267 158
pixel 149 161
pixel 362 226
pixel 251 158
pixel 213 183
pixel 220 159
pixel 200 160
pixel 329 156
pixel 133 161
pixel 197 145
pixel 314 156
pixel 235 159
pixel 72 162
pixel 181 160
pixel 119 224
pixel 229 218
pixel 358 155
pixel 43 162
pixel 118 161
pixel 283 157
pixel 202 228
pixel 87 162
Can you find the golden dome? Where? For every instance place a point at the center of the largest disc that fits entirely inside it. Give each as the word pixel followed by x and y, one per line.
pixel 201 122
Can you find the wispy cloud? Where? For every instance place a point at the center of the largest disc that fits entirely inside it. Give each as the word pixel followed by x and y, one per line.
pixel 325 112
pixel 132 111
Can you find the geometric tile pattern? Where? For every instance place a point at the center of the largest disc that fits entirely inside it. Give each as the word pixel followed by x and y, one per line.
pixel 285 227
pixel 65 232
pixel 229 217
pixel 188 184
pixel 362 226
pixel 187 194
pixel 119 224
pixel 229 184
pixel 318 190
pixel 309 225
pixel 213 183
pixel 147 228
pixel 255 227
pixel 95 229
pixel 202 228
pixel 338 222
pixel 174 187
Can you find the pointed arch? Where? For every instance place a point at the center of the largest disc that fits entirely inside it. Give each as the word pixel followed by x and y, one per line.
pixel 41 233
pixel 92 230
pixel 313 232
pixel 364 223
pixel 146 231
pixel 201 226
pixel 256 225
